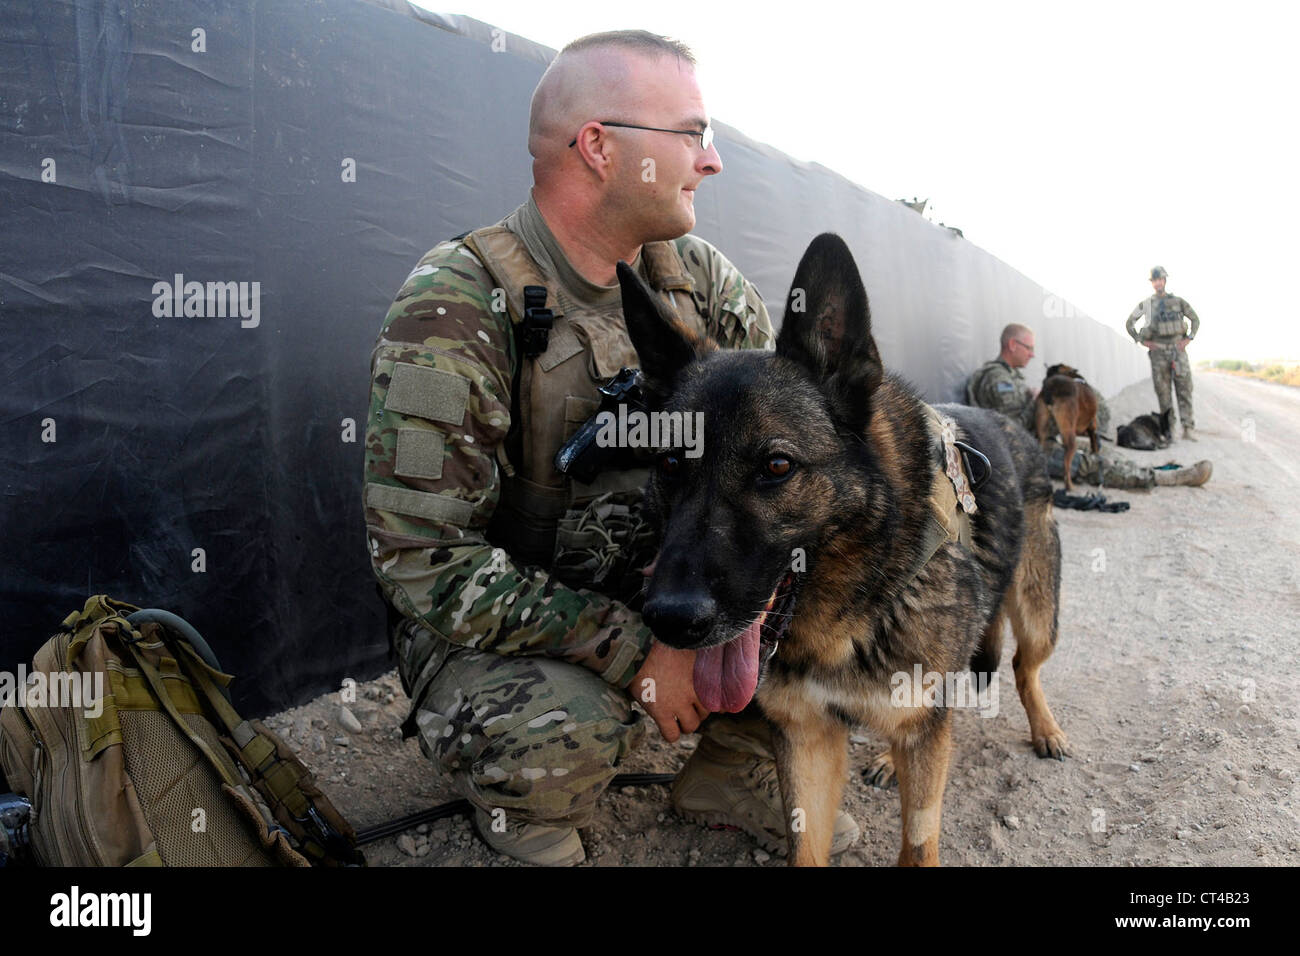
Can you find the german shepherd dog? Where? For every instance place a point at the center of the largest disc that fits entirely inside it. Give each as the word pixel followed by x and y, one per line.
pixel 1070 400
pixel 1147 432
pixel 814 447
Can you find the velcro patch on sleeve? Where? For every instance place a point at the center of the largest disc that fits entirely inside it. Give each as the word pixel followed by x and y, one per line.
pixel 419 453
pixel 427 393
pixel 419 504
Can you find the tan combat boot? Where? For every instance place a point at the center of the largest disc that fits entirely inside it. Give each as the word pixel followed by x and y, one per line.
pixel 720 786
pixel 531 843
pixel 1188 434
pixel 1192 476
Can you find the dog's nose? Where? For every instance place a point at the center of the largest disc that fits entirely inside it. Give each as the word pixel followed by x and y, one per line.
pixel 681 619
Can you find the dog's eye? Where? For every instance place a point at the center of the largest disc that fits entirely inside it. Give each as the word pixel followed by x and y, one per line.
pixel 775 470
pixel 670 466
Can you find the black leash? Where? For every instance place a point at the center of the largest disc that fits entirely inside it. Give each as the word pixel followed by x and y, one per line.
pixel 381 831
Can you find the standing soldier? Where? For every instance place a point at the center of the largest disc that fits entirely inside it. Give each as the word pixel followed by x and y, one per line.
pixel 1166 334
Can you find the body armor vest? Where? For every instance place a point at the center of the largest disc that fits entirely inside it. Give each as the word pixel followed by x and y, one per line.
pixel 1167 319
pixel 588 535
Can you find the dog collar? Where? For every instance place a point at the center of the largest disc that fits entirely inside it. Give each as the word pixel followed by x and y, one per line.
pixel 953 461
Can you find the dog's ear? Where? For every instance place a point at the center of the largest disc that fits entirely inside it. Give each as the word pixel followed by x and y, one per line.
pixel 664 345
pixel 827 328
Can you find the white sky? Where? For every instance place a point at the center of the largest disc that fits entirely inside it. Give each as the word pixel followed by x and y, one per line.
pixel 1081 144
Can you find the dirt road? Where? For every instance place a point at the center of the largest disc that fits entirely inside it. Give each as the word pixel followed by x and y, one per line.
pixel 1175 678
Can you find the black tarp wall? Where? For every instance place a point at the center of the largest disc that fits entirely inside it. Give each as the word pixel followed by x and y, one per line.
pixel 141 140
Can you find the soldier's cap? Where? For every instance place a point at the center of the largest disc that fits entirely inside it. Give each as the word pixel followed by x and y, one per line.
pixel 1158 272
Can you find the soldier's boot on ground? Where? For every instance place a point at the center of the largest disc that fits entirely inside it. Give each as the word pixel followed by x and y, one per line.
pixel 725 785
pixel 1191 476
pixel 1188 433
pixel 529 842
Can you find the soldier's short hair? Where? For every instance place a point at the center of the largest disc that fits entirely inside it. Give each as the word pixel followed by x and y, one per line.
pixel 640 41
pixel 1012 331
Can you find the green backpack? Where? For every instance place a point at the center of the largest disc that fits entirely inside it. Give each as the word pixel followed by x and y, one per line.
pixel 150 765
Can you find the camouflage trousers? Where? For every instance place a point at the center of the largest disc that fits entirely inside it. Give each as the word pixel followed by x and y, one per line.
pixel 1170 370
pixel 1110 471
pixel 537 737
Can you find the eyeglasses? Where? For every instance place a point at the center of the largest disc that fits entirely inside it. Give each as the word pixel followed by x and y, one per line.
pixel 1027 348
pixel 705 135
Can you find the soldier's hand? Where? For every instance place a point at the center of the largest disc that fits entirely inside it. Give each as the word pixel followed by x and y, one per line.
pixel 1182 344
pixel 665 687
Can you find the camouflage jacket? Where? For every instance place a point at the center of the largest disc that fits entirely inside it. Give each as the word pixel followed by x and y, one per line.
pixel 998 386
pixel 440 406
pixel 1167 319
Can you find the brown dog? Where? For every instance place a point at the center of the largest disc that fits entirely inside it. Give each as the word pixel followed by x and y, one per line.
pixel 1072 402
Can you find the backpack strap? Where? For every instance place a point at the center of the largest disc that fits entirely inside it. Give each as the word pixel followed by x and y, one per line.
pixel 275 772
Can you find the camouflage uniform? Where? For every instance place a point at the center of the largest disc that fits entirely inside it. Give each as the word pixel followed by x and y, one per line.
pixel 1167 322
pixel 515 672
pixel 998 386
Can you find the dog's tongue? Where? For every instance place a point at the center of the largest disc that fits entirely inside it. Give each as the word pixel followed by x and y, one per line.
pixel 726 675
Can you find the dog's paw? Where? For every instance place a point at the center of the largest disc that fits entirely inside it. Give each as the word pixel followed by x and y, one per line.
pixel 880 772
pixel 1052 744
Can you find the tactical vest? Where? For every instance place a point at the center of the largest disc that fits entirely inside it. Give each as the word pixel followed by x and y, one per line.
pixel 588 535
pixel 1166 319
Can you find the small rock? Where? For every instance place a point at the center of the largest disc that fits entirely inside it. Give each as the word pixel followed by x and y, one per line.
pixel 318 743
pixel 661 818
pixel 320 723
pixel 422 828
pixel 1243 710
pixel 1184 834
pixel 406 844
pixel 422 850
pixel 1011 822
pixel 695 853
pixel 341 741
pixel 761 856
pixel 1261 851
pixel 1241 786
pixel 348 721
pixel 1135 767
